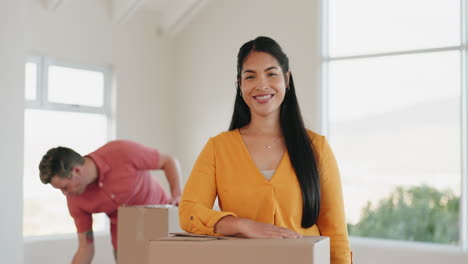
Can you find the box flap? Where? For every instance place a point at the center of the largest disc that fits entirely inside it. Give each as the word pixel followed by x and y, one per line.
pixel 187 238
pixel 185 234
pixel 149 206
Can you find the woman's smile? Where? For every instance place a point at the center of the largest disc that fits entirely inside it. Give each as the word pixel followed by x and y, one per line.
pixel 263 98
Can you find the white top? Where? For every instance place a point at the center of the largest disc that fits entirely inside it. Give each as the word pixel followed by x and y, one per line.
pixel 268 173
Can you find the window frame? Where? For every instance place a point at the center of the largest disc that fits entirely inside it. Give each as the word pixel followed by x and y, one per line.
pixel 324 82
pixel 42 103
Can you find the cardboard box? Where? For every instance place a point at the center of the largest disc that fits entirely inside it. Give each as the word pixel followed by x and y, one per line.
pixel 208 250
pixel 137 225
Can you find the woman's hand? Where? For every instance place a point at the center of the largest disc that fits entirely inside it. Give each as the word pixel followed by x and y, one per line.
pixel 252 229
pixel 236 226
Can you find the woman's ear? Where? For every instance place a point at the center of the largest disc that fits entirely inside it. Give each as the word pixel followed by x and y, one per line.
pixel 286 77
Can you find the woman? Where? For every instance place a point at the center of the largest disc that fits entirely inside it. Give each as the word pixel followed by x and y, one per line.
pixel 273 178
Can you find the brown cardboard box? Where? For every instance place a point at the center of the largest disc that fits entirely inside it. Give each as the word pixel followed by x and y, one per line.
pixel 178 250
pixel 139 224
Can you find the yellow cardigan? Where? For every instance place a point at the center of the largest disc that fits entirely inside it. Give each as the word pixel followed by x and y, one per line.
pixel 225 169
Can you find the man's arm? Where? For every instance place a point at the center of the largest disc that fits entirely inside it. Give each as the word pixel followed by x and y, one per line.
pixel 85 252
pixel 171 168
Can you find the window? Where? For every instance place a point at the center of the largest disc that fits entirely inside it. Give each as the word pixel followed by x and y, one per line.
pixel 395 85
pixel 66 105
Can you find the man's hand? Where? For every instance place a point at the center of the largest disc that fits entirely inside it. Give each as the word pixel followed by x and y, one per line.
pixel 175 199
pixel 85 252
pixel 236 226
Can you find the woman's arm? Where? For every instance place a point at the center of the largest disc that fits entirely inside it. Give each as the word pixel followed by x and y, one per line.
pixel 236 226
pixel 331 221
pixel 200 191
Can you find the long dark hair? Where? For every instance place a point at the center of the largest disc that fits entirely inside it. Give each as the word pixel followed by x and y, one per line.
pixel 295 135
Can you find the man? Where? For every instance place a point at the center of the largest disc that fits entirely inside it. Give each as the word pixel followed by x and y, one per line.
pixel 116 174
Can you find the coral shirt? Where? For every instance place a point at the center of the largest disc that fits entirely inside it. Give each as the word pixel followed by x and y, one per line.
pixel 123 179
pixel 225 169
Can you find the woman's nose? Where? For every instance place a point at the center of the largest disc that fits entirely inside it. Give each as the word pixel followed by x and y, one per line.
pixel 262 83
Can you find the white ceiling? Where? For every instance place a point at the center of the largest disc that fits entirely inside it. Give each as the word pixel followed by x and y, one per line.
pixel 158 5
pixel 175 14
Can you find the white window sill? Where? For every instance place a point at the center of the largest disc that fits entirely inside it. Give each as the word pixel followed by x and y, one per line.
pixel 362 242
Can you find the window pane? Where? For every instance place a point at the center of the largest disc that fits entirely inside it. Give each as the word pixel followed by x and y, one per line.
pixel 373 26
pixel 395 122
pixel 45 208
pixel 31 81
pixel 75 86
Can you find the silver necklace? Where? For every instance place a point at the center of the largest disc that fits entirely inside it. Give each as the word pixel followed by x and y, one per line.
pixel 269 146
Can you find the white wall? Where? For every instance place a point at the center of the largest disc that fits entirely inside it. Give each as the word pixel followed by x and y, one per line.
pixel 11 120
pixel 206 52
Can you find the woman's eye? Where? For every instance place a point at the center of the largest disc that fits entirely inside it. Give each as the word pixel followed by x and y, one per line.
pixel 272 74
pixel 249 77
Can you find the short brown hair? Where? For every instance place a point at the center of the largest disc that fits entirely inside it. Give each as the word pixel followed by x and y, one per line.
pixel 58 161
